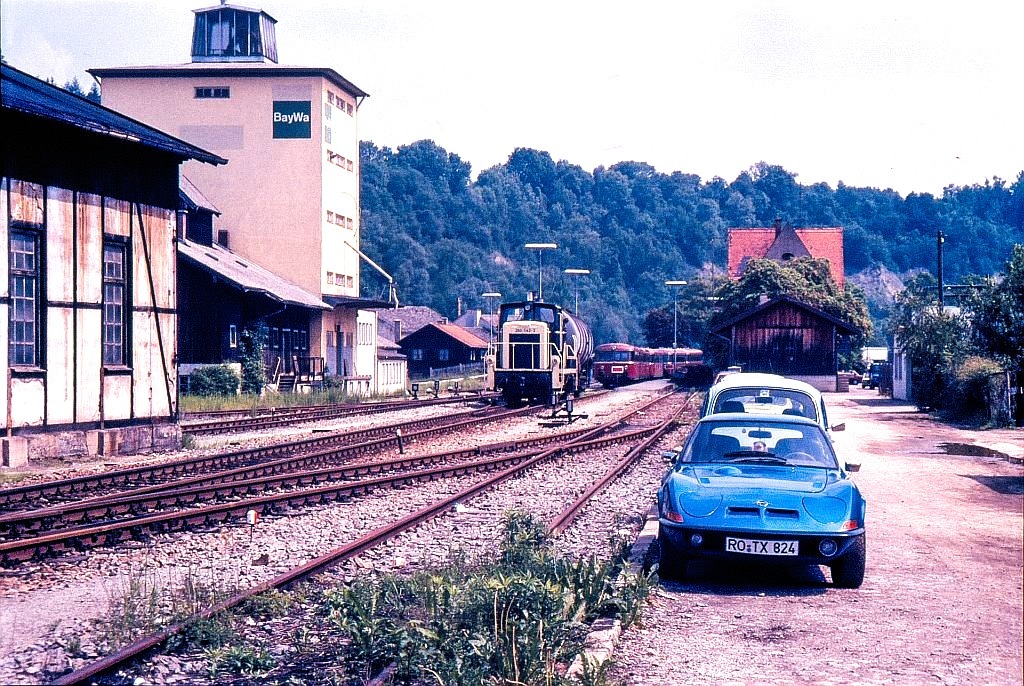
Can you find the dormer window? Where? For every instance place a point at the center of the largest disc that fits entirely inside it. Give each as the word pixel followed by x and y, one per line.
pixel 233 34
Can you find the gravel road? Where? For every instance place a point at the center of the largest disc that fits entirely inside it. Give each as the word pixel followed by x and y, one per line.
pixel 941 603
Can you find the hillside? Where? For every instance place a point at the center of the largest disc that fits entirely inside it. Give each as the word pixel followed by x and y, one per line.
pixel 447 238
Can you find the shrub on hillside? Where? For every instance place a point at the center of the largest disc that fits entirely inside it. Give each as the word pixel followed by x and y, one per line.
pixel 215 379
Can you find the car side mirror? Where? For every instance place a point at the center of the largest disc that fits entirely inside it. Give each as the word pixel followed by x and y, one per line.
pixel 838 427
pixel 672 455
pixel 853 466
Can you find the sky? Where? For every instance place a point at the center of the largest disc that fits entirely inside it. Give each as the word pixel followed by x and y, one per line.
pixel 909 95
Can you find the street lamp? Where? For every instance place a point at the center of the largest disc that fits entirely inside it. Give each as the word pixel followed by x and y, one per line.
pixel 490 320
pixel 675 320
pixel 540 248
pixel 576 285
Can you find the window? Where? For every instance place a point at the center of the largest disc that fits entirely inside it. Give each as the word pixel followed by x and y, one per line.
pixel 232 336
pixel 330 217
pixel 204 92
pixel 327 134
pixel 327 110
pixel 442 354
pixel 115 288
pixel 416 354
pixel 25 309
pixel 330 97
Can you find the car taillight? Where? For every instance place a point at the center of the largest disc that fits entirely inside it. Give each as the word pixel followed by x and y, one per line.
pixel 850 525
pixel 674 517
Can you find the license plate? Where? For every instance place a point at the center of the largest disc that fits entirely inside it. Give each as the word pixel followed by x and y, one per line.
pixel 752 546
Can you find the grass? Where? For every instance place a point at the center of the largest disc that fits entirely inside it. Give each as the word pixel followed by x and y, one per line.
pixel 516 617
pixel 514 620
pixel 8 479
pixel 191 404
pixel 144 602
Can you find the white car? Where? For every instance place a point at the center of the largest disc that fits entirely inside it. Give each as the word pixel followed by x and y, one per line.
pixel 768 394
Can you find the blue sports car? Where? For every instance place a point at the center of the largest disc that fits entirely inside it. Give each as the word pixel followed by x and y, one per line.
pixel 764 488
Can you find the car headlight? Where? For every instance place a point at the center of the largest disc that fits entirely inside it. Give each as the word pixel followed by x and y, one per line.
pixel 699 505
pixel 826 509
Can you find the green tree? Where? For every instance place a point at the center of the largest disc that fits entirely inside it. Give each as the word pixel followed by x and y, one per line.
pixel 936 341
pixel 998 314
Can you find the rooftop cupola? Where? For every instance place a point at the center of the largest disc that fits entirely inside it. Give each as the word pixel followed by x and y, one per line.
pixel 231 33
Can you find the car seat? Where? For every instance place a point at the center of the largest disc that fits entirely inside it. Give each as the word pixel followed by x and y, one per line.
pixel 719 446
pixel 786 446
pixel 732 406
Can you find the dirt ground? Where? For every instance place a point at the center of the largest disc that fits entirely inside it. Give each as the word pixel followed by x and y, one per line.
pixel 941 602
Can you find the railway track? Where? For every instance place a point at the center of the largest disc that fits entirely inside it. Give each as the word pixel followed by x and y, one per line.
pixel 318 448
pixel 503 468
pixel 234 421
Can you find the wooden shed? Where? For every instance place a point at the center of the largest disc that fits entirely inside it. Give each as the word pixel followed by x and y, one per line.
pixel 442 346
pixel 788 337
pixel 88 311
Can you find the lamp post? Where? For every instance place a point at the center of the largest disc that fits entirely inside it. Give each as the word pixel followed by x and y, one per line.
pixel 576 285
pixel 940 238
pixel 490 295
pixel 540 248
pixel 675 320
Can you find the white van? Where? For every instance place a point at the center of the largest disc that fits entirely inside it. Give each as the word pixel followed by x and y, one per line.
pixel 754 393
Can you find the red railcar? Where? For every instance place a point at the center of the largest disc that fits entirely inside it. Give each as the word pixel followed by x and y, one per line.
pixel 616 364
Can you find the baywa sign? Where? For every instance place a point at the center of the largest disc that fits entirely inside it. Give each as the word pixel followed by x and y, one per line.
pixel 292 119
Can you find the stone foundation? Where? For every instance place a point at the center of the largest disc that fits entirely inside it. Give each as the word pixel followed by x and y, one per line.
pixel 126 440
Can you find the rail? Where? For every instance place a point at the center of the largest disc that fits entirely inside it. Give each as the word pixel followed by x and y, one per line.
pixel 306 571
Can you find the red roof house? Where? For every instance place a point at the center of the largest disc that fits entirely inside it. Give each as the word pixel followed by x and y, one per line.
pixel 782 242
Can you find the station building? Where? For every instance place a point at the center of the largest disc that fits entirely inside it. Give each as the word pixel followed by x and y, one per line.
pixel 88 311
pixel 289 197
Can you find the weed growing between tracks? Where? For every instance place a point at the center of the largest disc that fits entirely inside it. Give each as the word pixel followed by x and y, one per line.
pixel 143 602
pixel 519 618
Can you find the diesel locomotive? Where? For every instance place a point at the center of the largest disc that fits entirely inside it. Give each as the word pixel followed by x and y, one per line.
pixel 543 354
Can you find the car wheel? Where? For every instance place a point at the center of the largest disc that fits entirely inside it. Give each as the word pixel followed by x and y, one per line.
pixel 671 563
pixel 848 571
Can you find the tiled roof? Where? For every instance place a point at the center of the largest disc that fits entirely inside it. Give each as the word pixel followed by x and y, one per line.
pixel 20 92
pixel 413 318
pixel 758 243
pixel 247 275
pixel 462 335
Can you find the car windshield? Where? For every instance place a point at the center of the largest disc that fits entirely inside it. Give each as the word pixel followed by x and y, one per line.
pixel 760 441
pixel 766 401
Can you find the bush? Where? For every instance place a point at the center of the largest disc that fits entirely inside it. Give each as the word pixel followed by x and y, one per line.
pixel 971 389
pixel 213 380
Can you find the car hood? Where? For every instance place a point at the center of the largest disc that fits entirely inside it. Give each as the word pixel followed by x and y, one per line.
pixel 754 496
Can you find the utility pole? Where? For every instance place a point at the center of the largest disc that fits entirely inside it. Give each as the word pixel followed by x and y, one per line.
pixel 940 239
